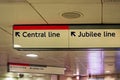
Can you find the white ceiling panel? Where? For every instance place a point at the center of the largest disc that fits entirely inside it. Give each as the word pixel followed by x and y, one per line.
pixel 5 39
pixel 91 13
pixel 18 13
pixel 111 12
pixel 11 1
pixel 64 1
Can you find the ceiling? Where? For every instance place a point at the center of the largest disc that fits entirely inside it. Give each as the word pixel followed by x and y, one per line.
pixel 50 12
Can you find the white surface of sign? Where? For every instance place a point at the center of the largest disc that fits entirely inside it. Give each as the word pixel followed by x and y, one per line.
pixel 97 38
pixel 45 39
pixel 35 69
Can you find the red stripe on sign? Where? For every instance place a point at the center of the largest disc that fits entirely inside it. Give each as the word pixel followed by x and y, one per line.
pixel 54 27
pixel 19 64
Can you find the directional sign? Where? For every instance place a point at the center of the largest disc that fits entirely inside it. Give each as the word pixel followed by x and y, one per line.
pixel 41 36
pixel 98 38
pixel 31 68
pixel 66 36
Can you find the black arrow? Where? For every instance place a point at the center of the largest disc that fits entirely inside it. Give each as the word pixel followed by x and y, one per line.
pixel 17 34
pixel 73 33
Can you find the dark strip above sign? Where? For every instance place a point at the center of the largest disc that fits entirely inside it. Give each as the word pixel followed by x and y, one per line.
pixel 94 26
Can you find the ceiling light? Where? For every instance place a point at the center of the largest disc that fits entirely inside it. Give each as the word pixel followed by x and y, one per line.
pixel 32 55
pixel 72 15
pixel 107 71
pixel 16 45
pixel 10 74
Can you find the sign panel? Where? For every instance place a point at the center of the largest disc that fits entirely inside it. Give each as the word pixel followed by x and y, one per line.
pixel 40 36
pixel 94 38
pixel 66 36
pixel 30 68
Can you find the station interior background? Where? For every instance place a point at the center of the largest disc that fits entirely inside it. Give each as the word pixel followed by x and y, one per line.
pixel 80 65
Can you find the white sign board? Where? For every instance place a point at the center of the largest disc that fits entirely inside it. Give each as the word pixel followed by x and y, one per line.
pixel 29 68
pixel 66 36
pixel 94 38
pixel 40 36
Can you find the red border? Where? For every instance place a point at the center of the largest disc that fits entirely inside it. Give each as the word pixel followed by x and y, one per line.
pixel 19 64
pixel 41 27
